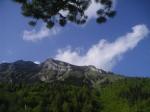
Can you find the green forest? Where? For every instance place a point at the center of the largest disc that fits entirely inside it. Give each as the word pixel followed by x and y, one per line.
pixel 125 95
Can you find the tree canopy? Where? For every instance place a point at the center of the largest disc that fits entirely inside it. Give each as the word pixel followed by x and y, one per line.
pixel 61 12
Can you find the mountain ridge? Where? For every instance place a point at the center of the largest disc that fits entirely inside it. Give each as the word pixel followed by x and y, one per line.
pixel 53 70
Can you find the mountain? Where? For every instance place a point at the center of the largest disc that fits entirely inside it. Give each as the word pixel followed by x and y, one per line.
pixel 53 70
pixel 19 71
pixel 56 86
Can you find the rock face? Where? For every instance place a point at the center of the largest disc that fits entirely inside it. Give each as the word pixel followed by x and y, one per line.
pixel 53 70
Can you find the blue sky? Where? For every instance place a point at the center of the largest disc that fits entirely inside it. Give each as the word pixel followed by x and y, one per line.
pixel 20 41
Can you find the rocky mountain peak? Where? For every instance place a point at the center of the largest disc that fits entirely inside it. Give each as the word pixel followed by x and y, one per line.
pixel 52 64
pixel 52 70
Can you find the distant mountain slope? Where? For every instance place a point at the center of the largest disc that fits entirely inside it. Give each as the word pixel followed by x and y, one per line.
pixel 53 70
pixel 19 71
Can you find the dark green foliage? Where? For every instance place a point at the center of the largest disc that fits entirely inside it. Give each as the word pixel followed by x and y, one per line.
pixel 49 11
pixel 124 95
pixel 127 95
pixel 54 97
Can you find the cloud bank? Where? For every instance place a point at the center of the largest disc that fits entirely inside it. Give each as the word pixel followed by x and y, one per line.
pixel 105 54
pixel 44 32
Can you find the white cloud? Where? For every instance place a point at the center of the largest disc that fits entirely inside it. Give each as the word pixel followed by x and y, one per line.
pixel 44 32
pixel 37 62
pixel 91 11
pixel 94 7
pixel 105 54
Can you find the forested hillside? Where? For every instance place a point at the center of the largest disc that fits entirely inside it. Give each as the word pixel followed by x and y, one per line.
pixel 124 95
